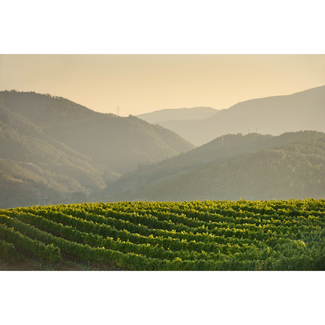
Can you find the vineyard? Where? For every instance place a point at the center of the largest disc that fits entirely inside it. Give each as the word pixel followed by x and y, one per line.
pixel 196 235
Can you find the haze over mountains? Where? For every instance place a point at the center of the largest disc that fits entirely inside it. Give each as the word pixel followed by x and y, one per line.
pixel 271 115
pixel 181 120
pixel 52 143
pixel 178 114
pixel 53 150
pixel 253 167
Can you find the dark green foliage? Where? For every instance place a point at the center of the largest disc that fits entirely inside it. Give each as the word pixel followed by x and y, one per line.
pixel 197 235
pixel 29 246
pixel 8 251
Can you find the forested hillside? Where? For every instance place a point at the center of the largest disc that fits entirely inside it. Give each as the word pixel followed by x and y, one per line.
pixel 55 151
pixel 54 147
pixel 253 167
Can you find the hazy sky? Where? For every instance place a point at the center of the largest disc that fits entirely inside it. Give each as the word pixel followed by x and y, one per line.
pixel 144 83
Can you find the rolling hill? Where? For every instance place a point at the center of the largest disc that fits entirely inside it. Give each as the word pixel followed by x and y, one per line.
pixel 53 142
pixel 253 167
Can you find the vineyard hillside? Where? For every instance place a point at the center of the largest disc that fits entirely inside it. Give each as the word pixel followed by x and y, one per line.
pixel 190 235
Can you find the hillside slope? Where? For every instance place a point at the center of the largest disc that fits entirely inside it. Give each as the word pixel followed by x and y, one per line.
pixel 113 142
pixel 53 142
pixel 253 167
pixel 37 169
pixel 166 236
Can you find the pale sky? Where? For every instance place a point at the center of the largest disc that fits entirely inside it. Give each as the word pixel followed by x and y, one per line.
pixel 144 83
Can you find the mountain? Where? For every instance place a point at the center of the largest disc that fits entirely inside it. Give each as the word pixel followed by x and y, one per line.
pixel 180 120
pixel 271 115
pixel 53 142
pixel 178 114
pixel 254 167
pixel 30 160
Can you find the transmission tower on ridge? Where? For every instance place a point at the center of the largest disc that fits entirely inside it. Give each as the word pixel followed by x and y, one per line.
pixel 118 110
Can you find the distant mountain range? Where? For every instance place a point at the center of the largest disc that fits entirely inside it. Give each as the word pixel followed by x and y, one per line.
pixel 272 115
pixel 50 146
pixel 253 167
pixel 180 120
pixel 178 114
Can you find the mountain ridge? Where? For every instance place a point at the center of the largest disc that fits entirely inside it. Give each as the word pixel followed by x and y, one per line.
pixel 175 114
pixel 77 149
pixel 225 171
pixel 304 110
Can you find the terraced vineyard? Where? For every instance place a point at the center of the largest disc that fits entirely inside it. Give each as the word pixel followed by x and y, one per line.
pixel 197 235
